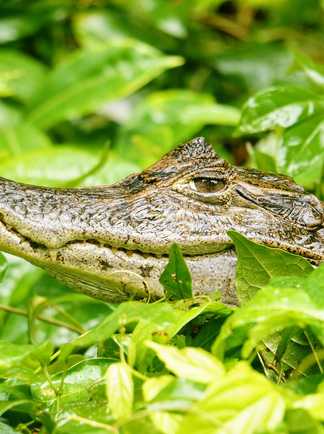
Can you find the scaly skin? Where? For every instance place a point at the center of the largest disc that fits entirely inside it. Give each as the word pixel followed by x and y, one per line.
pixel 112 242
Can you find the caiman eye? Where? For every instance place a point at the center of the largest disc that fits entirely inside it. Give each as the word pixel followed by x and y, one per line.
pixel 207 185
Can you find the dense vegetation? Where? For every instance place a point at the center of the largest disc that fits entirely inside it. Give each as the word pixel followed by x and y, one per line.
pixel 94 90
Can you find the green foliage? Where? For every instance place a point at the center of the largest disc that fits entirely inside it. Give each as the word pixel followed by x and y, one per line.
pixel 93 91
pixel 176 277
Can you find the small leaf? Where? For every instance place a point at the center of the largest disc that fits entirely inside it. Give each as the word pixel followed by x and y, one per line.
pixel 120 390
pixel 257 264
pixel 176 277
pixel 193 364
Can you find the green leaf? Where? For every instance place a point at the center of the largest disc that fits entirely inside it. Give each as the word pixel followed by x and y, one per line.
pixel 79 383
pixel 169 117
pixel 20 75
pixel 13 356
pixel 193 364
pixel 87 79
pixel 302 151
pixel 49 165
pixel 314 71
pixel 176 277
pixel 15 141
pixel 6 429
pixel 3 266
pixel 257 264
pixel 242 402
pixel 161 318
pixel 120 390
pixel 284 302
pixel 278 107
pixel 9 115
pixel 257 65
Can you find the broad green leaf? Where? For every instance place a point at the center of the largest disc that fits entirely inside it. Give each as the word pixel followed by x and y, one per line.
pixel 78 383
pixel 176 277
pixel 165 421
pixel 167 320
pixel 191 363
pixel 241 402
pixel 302 151
pixel 314 71
pixel 313 403
pixel 9 115
pixel 50 165
pixel 278 107
pixel 6 429
pixel 177 395
pixel 20 75
pixel 3 266
pixel 257 65
pixel 166 118
pixel 120 390
pixel 21 356
pixel 115 169
pixel 88 78
pixel 18 141
pixel 284 302
pixel 257 264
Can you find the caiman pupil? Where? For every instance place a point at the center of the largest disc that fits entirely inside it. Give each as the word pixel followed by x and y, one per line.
pixel 208 185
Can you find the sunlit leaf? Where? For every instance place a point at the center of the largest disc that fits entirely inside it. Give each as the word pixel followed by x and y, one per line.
pixel 49 165
pixel 20 75
pixel 120 390
pixel 278 107
pixel 242 402
pixel 190 363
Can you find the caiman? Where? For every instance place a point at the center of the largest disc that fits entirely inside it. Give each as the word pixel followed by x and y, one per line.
pixel 112 242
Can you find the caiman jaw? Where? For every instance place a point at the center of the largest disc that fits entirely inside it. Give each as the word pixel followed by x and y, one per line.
pixel 113 242
pixel 114 274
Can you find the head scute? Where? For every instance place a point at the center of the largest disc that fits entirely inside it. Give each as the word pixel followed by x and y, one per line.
pixel 197 148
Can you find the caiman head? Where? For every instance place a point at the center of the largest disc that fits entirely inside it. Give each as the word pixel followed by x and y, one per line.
pixel 112 242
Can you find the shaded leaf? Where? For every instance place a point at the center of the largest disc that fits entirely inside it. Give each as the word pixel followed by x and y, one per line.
pixel 176 277
pixel 257 264
pixel 166 118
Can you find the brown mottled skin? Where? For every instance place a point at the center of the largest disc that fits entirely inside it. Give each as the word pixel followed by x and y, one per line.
pixel 112 242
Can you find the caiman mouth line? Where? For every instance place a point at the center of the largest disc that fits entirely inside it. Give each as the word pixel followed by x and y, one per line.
pixel 35 245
